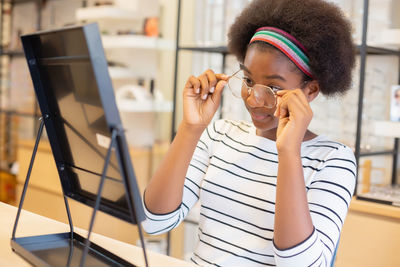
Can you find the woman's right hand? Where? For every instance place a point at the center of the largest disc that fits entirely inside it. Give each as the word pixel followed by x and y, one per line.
pixel 201 98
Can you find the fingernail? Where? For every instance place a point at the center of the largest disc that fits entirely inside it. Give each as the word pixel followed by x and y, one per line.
pixel 212 89
pixel 197 90
pixel 204 97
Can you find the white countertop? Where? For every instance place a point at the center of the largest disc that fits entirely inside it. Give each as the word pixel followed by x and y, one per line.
pixel 31 224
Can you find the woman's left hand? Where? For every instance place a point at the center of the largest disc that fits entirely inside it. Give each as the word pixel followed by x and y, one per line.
pixel 295 114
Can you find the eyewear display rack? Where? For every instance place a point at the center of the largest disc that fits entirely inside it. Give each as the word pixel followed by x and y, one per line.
pixel 5 90
pixel 9 114
pixel 222 50
pixel 364 51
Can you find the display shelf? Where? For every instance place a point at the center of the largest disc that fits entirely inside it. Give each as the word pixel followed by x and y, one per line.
pixel 377 153
pixel 378 49
pixel 17 113
pixel 382 129
pixel 19 1
pixel 136 41
pixel 359 204
pixel 12 53
pixel 387 128
pixel 144 106
pixel 120 73
pixel 209 49
pixel 108 13
pixel 391 37
pixel 388 194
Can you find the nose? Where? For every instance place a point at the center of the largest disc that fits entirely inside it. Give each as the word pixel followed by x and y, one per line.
pixel 253 100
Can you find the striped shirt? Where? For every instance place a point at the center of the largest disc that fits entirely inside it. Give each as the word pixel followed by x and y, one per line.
pixel 233 174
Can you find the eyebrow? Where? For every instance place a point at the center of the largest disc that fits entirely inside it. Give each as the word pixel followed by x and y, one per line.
pixel 271 77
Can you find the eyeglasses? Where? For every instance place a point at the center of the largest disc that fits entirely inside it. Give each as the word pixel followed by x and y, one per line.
pixel 262 93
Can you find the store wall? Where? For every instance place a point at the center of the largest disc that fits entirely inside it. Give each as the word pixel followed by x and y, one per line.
pixel 367 240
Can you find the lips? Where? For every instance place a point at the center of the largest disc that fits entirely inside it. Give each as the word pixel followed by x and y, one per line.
pixel 259 116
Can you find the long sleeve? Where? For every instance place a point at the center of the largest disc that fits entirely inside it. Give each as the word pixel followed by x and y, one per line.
pixel 160 223
pixel 329 195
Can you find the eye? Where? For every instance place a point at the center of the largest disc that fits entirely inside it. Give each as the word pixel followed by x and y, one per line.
pixel 275 88
pixel 248 81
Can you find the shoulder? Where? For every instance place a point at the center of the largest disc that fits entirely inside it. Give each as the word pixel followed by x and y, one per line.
pixel 326 150
pixel 331 154
pixel 325 146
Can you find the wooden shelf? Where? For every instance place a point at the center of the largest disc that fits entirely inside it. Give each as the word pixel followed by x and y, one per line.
pixel 108 13
pixel 387 128
pixel 16 53
pixel 18 113
pixel 207 49
pixel 391 37
pixel 136 41
pixel 144 106
pixel 120 73
pixel 374 208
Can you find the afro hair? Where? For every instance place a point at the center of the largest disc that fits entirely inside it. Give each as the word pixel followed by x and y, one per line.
pixel 319 26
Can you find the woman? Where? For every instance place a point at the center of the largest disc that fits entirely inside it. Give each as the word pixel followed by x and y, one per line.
pixel 271 192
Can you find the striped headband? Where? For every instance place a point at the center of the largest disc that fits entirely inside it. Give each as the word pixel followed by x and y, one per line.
pixel 287 44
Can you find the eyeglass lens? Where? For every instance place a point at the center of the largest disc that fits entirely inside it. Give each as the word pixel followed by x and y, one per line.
pixel 262 93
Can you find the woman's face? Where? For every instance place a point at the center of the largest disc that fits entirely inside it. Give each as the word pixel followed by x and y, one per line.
pixel 267 67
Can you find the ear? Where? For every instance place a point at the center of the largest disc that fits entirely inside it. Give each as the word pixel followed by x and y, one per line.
pixel 311 90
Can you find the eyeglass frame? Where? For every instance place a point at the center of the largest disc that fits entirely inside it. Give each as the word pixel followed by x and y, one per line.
pixel 251 88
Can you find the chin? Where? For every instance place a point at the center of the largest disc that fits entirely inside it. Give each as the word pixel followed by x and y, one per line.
pixel 266 124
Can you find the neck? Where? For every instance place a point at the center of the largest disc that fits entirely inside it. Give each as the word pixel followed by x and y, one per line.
pixel 271 134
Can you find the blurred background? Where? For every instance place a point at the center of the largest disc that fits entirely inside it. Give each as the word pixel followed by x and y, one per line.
pixel 152 46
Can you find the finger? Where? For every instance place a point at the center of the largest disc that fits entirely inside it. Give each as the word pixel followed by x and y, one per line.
pixel 279 95
pixel 282 122
pixel 297 108
pixel 282 92
pixel 302 96
pixel 298 97
pixel 212 80
pixel 193 83
pixel 204 86
pixel 278 105
pixel 277 108
pixel 216 96
pixel 293 102
pixel 281 125
pixel 221 76
pixel 283 110
pixel 283 107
